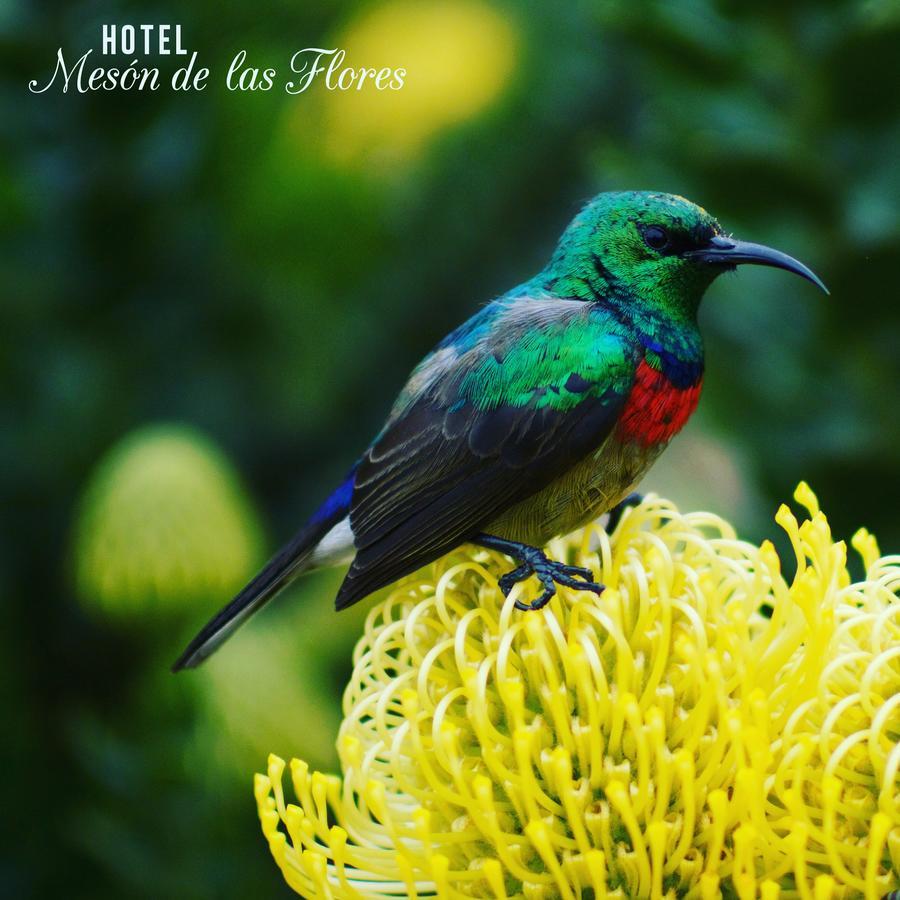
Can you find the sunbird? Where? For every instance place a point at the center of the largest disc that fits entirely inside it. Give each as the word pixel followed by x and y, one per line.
pixel 537 415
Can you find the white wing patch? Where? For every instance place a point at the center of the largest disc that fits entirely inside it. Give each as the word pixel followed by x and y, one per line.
pixel 336 548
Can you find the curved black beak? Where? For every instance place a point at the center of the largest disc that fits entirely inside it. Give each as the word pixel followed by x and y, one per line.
pixel 725 251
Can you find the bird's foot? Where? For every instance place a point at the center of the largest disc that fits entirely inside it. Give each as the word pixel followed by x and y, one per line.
pixel 616 513
pixel 535 562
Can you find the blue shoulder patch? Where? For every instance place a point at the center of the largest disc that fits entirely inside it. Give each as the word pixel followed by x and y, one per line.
pixel 338 503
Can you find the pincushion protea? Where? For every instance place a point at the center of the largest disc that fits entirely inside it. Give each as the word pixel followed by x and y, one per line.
pixel 664 739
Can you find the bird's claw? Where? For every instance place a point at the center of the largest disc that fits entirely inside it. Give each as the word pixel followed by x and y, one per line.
pixel 550 573
pixel 507 581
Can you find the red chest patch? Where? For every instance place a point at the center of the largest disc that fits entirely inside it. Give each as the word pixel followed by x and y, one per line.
pixel 656 410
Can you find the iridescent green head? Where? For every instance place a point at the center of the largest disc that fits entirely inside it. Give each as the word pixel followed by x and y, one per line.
pixel 651 249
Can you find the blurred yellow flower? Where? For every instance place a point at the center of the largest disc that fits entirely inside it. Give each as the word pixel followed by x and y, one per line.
pixel 661 740
pixel 458 56
pixel 163 523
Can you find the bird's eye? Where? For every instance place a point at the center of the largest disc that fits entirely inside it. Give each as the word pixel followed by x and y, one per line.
pixel 656 237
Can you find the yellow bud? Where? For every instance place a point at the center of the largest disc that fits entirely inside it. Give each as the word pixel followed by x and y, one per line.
pixel 164 525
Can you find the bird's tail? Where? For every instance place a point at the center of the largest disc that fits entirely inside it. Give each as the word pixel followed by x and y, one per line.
pixel 293 559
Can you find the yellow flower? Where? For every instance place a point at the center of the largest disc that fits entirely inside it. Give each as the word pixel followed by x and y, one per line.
pixel 458 57
pixel 164 523
pixel 664 739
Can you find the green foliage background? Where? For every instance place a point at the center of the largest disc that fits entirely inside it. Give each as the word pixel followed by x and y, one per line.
pixel 208 259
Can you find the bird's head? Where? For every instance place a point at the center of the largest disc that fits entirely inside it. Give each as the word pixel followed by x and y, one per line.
pixel 653 248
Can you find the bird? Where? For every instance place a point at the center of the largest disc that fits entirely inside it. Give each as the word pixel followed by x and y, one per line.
pixel 537 415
